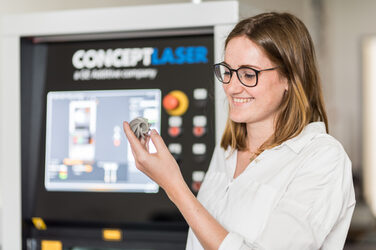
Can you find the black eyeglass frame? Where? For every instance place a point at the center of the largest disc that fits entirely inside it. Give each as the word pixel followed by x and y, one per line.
pixel 257 72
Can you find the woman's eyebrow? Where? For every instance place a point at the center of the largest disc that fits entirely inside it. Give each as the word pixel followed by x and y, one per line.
pixel 243 65
pixel 250 66
pixel 226 63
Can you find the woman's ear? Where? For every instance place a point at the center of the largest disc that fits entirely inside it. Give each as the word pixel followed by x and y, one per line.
pixel 286 83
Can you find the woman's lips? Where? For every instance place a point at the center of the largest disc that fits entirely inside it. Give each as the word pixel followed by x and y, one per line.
pixel 241 100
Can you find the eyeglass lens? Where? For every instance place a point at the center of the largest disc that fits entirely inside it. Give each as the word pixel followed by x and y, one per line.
pixel 246 75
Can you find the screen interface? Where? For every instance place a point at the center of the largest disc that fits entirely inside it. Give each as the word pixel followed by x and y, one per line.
pixel 86 149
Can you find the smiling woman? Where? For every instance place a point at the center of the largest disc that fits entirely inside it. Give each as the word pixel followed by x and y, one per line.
pixel 277 180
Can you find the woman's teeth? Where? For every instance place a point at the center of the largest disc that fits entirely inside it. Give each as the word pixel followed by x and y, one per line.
pixel 242 100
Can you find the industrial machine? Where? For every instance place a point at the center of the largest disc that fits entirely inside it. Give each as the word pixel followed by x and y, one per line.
pixel 77 166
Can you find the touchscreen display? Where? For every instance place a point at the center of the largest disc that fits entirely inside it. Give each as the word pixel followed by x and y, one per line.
pixel 86 149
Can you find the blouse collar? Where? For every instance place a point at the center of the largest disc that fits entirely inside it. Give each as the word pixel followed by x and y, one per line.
pixel 297 143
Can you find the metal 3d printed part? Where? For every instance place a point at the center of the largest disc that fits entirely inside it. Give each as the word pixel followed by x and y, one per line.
pixel 140 126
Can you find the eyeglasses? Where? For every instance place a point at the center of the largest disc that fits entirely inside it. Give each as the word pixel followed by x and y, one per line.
pixel 246 75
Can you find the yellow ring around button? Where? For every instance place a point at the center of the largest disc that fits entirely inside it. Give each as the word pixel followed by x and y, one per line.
pixel 183 103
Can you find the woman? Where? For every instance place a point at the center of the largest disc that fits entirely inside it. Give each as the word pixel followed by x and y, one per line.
pixel 277 180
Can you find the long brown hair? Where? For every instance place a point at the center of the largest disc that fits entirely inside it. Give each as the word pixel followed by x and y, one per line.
pixel 287 43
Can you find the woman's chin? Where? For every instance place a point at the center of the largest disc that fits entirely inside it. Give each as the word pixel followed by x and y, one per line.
pixel 238 119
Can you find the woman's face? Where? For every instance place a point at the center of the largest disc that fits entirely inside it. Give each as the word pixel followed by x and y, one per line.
pixel 257 104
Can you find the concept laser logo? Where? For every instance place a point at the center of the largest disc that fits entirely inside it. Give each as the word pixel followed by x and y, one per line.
pixel 132 63
pixel 132 57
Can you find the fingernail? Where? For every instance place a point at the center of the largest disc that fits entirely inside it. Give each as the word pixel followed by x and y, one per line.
pixel 154 132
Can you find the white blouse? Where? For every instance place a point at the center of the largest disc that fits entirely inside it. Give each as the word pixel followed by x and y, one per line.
pixel 298 195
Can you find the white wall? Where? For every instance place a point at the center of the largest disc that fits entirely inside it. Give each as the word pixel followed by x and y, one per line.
pixel 348 22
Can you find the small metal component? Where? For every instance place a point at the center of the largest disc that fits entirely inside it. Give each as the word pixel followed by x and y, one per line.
pixel 140 127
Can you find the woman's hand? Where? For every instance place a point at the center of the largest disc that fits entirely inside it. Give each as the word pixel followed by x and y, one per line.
pixel 160 166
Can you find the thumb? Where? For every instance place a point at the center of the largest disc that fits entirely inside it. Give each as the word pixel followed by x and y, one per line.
pixel 158 141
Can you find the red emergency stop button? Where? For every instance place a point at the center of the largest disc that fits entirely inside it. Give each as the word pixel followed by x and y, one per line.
pixel 175 103
pixel 170 102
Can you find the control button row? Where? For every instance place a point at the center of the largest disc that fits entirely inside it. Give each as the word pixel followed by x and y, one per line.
pixel 197 148
pixel 199 126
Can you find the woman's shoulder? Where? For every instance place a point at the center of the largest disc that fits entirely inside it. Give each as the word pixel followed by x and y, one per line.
pixel 325 144
pixel 325 164
pixel 318 153
pixel 313 139
pixel 324 155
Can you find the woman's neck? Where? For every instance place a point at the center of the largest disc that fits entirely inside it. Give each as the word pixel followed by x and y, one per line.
pixel 258 133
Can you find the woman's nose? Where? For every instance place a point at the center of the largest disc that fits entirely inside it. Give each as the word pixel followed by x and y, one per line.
pixel 234 85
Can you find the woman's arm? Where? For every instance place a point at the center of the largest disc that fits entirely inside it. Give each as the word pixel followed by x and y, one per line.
pixel 163 169
pixel 208 231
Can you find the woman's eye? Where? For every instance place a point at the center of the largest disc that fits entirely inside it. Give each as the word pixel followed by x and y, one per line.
pixel 226 73
pixel 249 76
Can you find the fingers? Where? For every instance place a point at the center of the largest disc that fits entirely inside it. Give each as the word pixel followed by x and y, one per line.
pixel 158 141
pixel 139 147
pixel 136 145
pixel 147 143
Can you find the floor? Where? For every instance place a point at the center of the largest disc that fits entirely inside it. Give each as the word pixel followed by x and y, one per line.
pixel 362 233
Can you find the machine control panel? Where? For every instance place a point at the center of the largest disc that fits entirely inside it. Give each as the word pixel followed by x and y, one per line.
pixel 192 142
